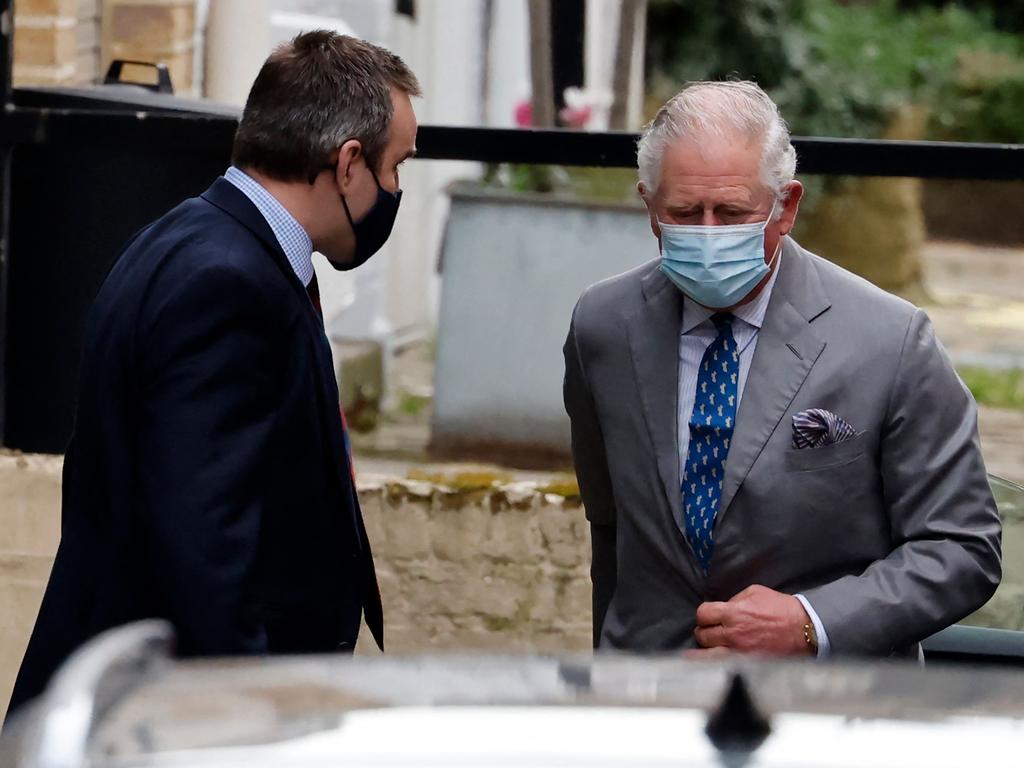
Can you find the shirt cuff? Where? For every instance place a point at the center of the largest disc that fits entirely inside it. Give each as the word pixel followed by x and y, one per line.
pixel 819 628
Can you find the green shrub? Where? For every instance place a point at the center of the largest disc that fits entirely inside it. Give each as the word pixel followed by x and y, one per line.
pixel 997 388
pixel 842 69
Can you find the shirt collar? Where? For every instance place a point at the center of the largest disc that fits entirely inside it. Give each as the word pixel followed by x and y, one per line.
pixel 294 240
pixel 751 313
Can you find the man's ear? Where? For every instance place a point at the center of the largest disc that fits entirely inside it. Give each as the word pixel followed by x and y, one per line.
pixel 350 158
pixel 790 208
pixel 651 213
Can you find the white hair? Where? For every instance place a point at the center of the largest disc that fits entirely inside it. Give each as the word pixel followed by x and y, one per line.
pixel 726 109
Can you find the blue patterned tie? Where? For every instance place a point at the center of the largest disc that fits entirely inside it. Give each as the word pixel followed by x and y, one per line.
pixel 711 426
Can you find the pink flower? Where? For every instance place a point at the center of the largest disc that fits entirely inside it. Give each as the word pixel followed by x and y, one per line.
pixel 524 114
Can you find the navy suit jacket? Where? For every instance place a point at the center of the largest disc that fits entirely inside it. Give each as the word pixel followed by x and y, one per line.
pixel 207 481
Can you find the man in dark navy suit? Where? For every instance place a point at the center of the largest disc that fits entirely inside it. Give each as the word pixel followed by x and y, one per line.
pixel 208 480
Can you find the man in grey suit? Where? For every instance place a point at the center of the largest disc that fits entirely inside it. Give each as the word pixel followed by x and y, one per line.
pixel 774 455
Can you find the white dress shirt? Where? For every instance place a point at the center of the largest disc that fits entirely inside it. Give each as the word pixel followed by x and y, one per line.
pixel 695 336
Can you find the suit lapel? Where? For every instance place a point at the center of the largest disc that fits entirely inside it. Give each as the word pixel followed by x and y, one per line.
pixel 787 349
pixel 653 334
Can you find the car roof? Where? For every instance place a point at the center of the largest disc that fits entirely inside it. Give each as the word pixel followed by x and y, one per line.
pixel 310 706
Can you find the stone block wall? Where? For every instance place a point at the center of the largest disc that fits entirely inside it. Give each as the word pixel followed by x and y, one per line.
pixel 72 42
pixel 45 42
pixel 157 31
pixel 30 521
pixel 501 568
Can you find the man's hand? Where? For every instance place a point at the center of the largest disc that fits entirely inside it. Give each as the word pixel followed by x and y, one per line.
pixel 757 620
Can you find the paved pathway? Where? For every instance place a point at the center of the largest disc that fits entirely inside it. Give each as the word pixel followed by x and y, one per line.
pixel 978 312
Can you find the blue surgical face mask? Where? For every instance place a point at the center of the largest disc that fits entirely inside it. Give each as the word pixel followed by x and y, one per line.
pixel 715 266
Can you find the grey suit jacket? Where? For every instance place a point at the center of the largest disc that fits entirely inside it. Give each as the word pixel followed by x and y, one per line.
pixel 891 535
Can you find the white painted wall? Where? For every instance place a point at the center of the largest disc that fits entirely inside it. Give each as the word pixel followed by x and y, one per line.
pixel 599 61
pixel 443 46
pixel 237 43
pixel 510 62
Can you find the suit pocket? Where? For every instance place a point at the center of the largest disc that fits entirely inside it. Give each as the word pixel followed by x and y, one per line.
pixel 827 456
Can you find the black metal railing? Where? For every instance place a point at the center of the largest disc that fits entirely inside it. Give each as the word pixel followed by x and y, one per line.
pixel 65 116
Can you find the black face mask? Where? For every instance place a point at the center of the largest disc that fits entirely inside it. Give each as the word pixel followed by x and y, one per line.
pixel 373 230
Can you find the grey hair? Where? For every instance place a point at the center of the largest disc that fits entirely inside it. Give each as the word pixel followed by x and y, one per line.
pixel 724 109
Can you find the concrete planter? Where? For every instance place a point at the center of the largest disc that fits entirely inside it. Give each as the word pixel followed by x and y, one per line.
pixel 512 268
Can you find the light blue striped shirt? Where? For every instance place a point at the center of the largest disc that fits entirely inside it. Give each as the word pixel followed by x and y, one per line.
pixel 296 244
pixel 695 337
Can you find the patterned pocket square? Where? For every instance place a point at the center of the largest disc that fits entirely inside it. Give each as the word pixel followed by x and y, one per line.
pixel 816 427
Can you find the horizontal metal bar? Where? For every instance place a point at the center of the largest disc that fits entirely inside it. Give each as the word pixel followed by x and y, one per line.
pixel 915 159
pixel 852 157
pixel 92 127
pixel 514 145
pixel 848 157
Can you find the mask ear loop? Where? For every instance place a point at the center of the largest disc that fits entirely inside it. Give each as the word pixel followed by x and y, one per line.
pixel 775 256
pixel 334 167
pixel 771 214
pixel 778 246
pixel 344 202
